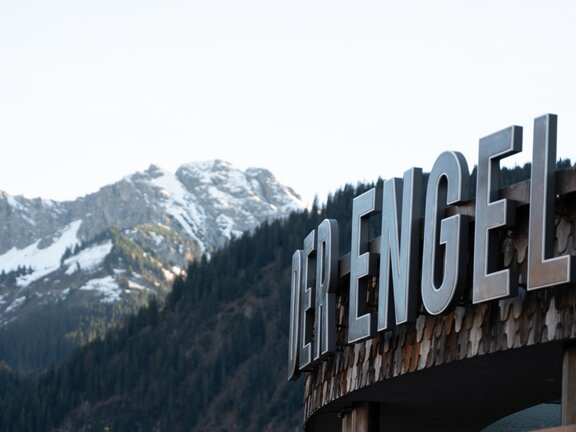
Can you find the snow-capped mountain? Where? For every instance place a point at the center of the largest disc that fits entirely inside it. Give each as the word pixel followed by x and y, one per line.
pixel 208 202
pixel 130 238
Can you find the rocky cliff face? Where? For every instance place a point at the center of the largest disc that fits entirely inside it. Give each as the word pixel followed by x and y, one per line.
pixel 206 202
pixel 128 240
pixel 23 221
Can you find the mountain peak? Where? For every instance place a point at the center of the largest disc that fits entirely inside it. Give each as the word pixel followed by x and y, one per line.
pixel 153 168
pixel 207 166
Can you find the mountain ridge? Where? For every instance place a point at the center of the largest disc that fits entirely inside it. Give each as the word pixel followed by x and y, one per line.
pixel 43 216
pixel 127 241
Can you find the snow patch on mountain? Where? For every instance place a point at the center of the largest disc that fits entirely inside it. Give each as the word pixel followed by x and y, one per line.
pixel 234 200
pixel 42 260
pixel 88 259
pixel 16 304
pixel 178 202
pixel 106 286
pixel 136 286
pixel 12 202
pixel 226 225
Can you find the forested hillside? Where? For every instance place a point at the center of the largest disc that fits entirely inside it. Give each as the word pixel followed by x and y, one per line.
pixel 213 357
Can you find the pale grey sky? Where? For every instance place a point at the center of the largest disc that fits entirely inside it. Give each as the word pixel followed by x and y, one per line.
pixel 321 92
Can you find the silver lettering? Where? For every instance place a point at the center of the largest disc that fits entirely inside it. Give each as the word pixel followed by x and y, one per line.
pixel 491 213
pixel 294 340
pixel 363 264
pixel 307 299
pixel 445 239
pixel 326 283
pixel 399 260
pixel 543 269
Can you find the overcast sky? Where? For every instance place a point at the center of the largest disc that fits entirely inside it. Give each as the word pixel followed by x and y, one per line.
pixel 319 92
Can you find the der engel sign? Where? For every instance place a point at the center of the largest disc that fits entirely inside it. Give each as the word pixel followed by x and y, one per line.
pixel 435 274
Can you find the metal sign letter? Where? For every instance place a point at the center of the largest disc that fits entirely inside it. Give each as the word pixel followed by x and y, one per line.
pixel 307 301
pixel 399 260
pixel 543 269
pixel 294 340
pixel 363 265
pixel 445 239
pixel 326 283
pixel 488 283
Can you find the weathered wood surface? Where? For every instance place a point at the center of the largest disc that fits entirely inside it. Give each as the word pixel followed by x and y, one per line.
pixel 467 331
